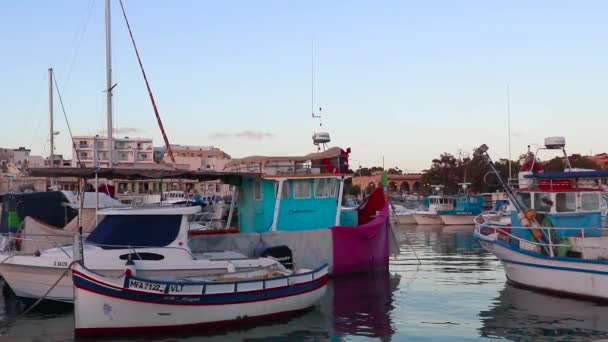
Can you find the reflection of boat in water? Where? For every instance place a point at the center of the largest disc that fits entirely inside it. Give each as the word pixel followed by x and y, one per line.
pixel 522 314
pixel 362 303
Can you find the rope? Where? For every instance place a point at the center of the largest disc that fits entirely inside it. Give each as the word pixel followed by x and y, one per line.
pixel 407 240
pixel 49 290
pixel 143 72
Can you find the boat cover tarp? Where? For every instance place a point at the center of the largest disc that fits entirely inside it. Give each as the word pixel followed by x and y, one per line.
pixel 368 245
pixel 573 174
pixel 37 235
pixel 44 206
pixel 310 248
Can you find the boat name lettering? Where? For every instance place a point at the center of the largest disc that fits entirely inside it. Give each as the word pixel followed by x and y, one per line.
pixel 142 285
pixel 60 263
pixel 176 288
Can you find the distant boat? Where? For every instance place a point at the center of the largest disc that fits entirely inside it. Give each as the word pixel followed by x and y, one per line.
pixel 466 207
pixel 432 205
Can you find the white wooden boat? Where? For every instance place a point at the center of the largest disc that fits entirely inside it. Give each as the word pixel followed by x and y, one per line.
pixel 132 303
pixel 156 238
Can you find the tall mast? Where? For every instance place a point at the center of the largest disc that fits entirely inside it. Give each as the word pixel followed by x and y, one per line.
pixel 51 133
pixel 109 85
pixel 509 126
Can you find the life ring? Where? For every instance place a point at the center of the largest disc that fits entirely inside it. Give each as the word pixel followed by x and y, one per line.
pixel 528 166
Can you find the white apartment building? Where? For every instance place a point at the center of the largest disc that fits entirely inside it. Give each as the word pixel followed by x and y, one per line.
pixel 127 151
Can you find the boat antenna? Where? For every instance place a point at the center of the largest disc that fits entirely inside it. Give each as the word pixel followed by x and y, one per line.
pixel 319 139
pixel 509 126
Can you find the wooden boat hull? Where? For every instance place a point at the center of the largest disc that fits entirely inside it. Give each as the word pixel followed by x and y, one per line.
pixel 562 275
pixel 104 306
pixel 461 220
pixel 427 219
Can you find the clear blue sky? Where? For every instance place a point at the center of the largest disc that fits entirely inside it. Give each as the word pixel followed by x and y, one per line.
pixel 403 79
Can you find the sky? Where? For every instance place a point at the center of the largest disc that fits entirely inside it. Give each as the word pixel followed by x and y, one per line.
pixel 401 81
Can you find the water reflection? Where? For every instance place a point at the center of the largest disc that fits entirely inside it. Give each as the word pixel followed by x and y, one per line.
pixel 519 314
pixel 362 304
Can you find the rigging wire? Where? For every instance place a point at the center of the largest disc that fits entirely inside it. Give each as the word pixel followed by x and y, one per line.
pixel 78 39
pixel 65 116
pixel 141 66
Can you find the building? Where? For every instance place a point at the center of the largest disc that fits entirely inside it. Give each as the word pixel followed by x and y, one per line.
pixel 198 158
pixel 127 151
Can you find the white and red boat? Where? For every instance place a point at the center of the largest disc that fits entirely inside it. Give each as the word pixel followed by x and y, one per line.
pixel 129 303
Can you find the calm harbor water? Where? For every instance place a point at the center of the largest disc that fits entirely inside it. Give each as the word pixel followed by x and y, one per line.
pixel 457 293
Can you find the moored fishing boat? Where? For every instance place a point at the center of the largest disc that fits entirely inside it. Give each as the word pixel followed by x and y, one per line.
pixel 403 215
pixel 556 242
pixel 432 204
pixel 294 201
pixel 132 303
pixel 466 207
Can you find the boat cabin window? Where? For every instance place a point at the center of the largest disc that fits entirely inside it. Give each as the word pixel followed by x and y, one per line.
pixel 542 202
pixel 590 202
pixel 301 188
pixel 525 199
pixel 285 193
pixel 118 231
pixel 472 199
pixel 321 187
pixel 565 202
pixel 142 256
pixel 334 187
pixel 257 190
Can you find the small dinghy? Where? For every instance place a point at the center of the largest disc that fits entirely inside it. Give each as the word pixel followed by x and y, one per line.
pixel 106 305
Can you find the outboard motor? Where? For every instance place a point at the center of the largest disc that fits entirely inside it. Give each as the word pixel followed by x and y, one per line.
pixel 282 254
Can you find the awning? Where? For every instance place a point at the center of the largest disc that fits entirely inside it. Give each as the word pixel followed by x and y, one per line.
pixel 233 178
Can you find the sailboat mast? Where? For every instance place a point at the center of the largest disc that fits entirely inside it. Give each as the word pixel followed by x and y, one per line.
pixel 52 138
pixel 109 85
pixel 509 126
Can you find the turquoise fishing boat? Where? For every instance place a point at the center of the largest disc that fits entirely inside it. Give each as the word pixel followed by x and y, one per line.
pixel 295 201
pixel 466 207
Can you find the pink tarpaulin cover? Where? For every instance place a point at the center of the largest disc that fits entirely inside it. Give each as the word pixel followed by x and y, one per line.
pixel 364 247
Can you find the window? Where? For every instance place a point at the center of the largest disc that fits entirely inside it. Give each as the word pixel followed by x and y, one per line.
pixel 117 231
pixel 334 187
pixel 542 202
pixel 301 188
pixel 565 202
pixel 257 190
pixel 524 198
pixel 590 202
pixel 321 187
pixel 472 199
pixel 285 190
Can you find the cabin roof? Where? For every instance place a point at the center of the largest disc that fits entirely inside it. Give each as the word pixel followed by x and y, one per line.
pixel 330 153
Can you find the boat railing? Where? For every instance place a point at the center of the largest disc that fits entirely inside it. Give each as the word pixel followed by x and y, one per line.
pixel 548 246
